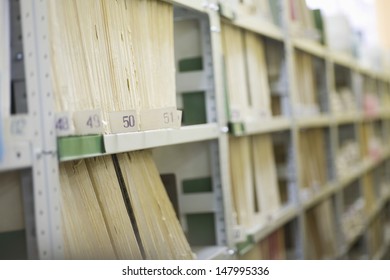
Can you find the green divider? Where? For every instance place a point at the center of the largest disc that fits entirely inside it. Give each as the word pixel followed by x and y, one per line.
pixel 194 108
pixel 74 146
pixel 201 229
pixel 13 245
pixel 319 24
pixel 191 64
pixel 245 246
pixel 197 185
pixel 237 129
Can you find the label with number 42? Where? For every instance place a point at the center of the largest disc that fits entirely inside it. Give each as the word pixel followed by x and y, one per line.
pixel 88 122
pixel 19 127
pixel 124 121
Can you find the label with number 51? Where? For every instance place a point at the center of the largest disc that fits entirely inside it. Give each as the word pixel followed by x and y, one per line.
pixel 124 121
pixel 160 118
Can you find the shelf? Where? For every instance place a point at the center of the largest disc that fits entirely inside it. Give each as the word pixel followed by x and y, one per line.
pixel 211 79
pixel 257 25
pixel 374 117
pixel 320 195
pixel 314 121
pixel 309 46
pixel 16 156
pixel 119 143
pixel 343 59
pixel 193 4
pixel 353 174
pixel 347 118
pixel 379 206
pixel 366 70
pixel 78 147
pixel 213 253
pixel 261 27
pixel 252 127
pixel 365 166
pixel 372 163
pixel 283 216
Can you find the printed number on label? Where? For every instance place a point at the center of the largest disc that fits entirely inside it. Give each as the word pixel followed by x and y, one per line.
pixel 128 121
pixel 62 123
pixel 169 117
pixel 18 126
pixel 93 121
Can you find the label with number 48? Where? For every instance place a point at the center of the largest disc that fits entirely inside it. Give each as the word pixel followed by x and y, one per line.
pixel 64 124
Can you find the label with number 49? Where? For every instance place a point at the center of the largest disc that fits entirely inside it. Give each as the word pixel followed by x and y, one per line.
pixel 88 122
pixel 124 121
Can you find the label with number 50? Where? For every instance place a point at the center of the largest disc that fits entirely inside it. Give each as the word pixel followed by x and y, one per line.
pixel 124 121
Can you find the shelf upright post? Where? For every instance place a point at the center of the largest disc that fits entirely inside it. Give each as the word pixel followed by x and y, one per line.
pixel 217 111
pixel 334 149
pixel 294 154
pixel 46 188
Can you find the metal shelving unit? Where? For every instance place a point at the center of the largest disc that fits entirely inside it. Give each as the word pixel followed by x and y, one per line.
pixel 294 124
pixel 33 145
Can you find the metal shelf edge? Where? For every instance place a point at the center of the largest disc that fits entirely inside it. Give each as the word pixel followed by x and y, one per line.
pixel 213 253
pixel 326 191
pixel 118 143
pixel 126 142
pixel 284 215
pixel 193 4
pixel 313 121
pixel 310 47
pixel 261 27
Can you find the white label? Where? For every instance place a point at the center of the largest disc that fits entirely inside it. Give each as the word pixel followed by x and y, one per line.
pixel 88 122
pixel 177 123
pixel 64 124
pixel 19 127
pixel 239 233
pixel 235 114
pixel 124 121
pixel 159 118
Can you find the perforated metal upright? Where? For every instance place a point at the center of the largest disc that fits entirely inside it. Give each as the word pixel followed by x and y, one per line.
pixel 221 164
pixel 45 191
pixel 290 65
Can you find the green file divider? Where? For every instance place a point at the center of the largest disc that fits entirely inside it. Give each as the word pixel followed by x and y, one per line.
pixel 197 185
pixel 78 146
pixel 245 246
pixel 194 108
pixel 191 64
pixel 201 229
pixel 319 24
pixel 237 129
